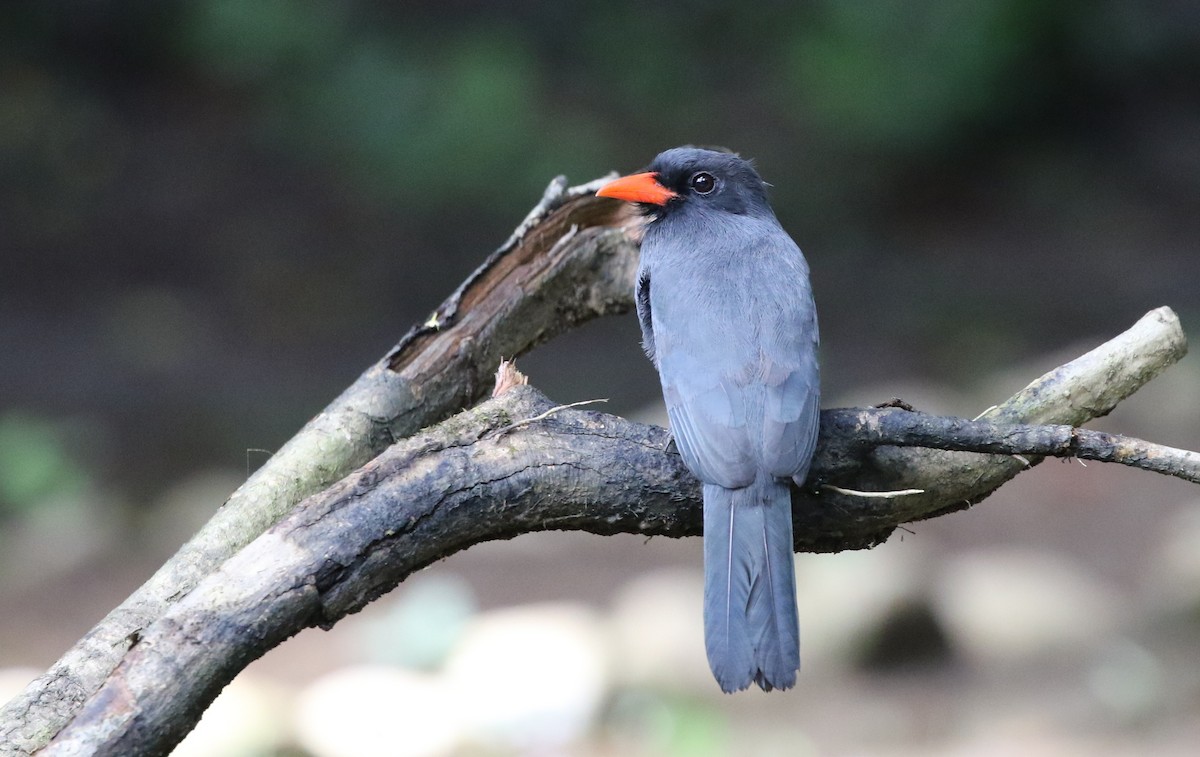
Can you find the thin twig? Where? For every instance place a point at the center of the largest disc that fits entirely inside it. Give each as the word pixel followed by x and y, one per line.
pixel 872 495
pixel 542 416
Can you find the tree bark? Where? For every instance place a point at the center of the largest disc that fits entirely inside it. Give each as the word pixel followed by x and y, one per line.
pixel 492 472
pixel 488 474
pixel 1088 387
pixel 570 260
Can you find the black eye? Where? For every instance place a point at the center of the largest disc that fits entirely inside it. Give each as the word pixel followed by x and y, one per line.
pixel 703 182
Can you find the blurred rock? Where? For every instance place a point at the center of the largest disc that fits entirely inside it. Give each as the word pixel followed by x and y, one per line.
pixel 658 630
pixel 422 624
pixel 909 635
pixel 640 721
pixel 1174 575
pixel 1038 744
pixel 844 599
pixel 1003 605
pixel 249 718
pixel 373 711
pixel 530 679
pixel 1128 680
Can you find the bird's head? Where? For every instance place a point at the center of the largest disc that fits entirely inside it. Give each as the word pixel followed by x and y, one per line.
pixel 687 180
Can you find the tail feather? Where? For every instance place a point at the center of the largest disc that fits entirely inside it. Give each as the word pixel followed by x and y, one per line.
pixel 750 622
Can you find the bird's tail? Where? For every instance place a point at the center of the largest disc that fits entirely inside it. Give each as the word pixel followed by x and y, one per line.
pixel 751 630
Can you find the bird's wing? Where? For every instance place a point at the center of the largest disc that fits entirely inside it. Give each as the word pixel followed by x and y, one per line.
pixel 738 363
pixel 790 378
pixel 707 418
pixel 700 352
pixel 642 300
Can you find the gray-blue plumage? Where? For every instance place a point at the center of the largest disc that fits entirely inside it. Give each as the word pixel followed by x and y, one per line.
pixel 728 318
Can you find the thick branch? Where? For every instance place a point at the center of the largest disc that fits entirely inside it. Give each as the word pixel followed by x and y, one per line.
pixel 486 474
pixel 569 261
pixel 1089 386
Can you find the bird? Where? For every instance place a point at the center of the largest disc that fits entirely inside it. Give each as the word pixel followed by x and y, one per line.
pixel 728 320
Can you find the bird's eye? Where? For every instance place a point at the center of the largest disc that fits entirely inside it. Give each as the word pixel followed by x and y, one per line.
pixel 703 182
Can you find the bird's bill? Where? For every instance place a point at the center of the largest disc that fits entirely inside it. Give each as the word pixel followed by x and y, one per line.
pixel 638 187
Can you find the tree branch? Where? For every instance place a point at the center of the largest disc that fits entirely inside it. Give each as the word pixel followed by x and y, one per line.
pixel 519 463
pixel 1088 387
pixel 572 259
pixel 569 261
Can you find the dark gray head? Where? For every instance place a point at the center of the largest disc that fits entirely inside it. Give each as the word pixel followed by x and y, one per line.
pixel 686 180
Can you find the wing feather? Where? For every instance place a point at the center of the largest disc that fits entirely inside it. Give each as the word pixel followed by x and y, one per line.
pixel 736 352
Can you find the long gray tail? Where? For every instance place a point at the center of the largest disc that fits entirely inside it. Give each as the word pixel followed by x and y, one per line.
pixel 751 629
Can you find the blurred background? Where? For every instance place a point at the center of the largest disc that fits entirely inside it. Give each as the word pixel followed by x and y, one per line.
pixel 215 214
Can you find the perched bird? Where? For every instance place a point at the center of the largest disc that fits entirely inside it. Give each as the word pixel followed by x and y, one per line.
pixel 728 320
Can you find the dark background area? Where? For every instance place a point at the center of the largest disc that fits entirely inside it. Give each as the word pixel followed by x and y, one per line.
pixel 215 214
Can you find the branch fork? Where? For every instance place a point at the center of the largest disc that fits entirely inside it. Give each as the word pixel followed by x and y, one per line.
pixel 344 512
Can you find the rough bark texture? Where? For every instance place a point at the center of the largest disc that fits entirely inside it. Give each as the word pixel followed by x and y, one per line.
pixel 570 260
pixel 139 680
pixel 487 474
pixel 1089 386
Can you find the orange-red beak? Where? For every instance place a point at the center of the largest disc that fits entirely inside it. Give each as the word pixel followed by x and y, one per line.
pixel 638 187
